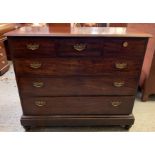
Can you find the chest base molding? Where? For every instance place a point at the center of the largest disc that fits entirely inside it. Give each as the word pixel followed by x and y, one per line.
pixel 77 120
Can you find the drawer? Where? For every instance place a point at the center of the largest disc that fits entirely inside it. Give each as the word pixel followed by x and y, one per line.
pixel 77 86
pixel 80 47
pixel 81 66
pixel 32 47
pixel 125 47
pixel 77 105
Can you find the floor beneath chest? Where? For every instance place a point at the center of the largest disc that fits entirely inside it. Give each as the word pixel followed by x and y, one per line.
pixel 10 111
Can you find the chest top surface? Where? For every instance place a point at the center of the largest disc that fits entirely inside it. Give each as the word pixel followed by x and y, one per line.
pixel 77 32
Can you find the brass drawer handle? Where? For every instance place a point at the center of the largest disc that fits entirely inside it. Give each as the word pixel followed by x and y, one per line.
pixel 0 47
pixel 116 103
pixel 1 54
pixel 125 44
pixel 40 103
pixel 80 47
pixel 32 47
pixel 35 65
pixel 118 84
pixel 38 84
pixel 120 65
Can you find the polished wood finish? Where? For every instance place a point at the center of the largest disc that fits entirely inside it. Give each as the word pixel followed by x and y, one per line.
pixel 4 66
pixel 116 47
pixel 4 28
pixel 118 24
pixel 78 86
pixel 77 105
pixel 77 79
pixel 45 31
pixel 78 66
pixel 77 120
pixel 46 47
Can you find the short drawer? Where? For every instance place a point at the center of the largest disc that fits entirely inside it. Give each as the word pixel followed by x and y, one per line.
pixel 72 67
pixel 32 47
pixel 80 47
pixel 125 47
pixel 77 86
pixel 77 105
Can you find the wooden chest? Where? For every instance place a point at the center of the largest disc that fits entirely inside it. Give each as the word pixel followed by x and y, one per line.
pixel 77 78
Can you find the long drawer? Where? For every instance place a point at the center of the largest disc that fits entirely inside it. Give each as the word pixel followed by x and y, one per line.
pixel 77 105
pixel 70 66
pixel 77 86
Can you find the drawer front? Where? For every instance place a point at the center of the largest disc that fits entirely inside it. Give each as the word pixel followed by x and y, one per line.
pixel 70 67
pixel 77 86
pixel 77 105
pixel 80 47
pixel 32 47
pixel 125 47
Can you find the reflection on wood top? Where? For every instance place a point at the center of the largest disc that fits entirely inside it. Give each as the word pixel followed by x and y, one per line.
pixel 77 31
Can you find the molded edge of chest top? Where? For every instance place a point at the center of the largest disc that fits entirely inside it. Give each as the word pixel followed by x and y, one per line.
pixel 78 32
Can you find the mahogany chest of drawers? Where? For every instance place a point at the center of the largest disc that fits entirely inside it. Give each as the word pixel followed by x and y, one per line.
pixel 77 78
